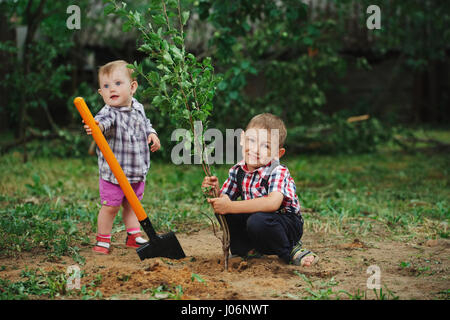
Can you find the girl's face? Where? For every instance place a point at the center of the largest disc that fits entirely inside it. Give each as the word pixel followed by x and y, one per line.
pixel 116 88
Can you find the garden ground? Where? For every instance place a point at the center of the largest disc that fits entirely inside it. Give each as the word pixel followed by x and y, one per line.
pixel 407 271
pixel 389 209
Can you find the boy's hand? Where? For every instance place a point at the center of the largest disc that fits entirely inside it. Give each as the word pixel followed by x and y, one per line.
pixel 211 183
pixel 89 130
pixel 156 143
pixel 221 205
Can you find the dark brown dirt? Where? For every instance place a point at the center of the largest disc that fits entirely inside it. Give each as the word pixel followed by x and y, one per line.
pixel 343 266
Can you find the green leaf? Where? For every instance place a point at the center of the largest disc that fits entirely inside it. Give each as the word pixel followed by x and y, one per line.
pixel 159 20
pixel 197 277
pixel 137 16
pixel 308 41
pixel 163 68
pixel 110 8
pixel 157 100
pixel 222 85
pixel 167 58
pixel 191 57
pixel 150 92
pixel 186 84
pixel 186 114
pixel 233 95
pixel 145 48
pixel 176 53
pixel 127 26
pixel 207 107
pixel 154 76
pixel 178 40
pixel 185 16
pixel 207 62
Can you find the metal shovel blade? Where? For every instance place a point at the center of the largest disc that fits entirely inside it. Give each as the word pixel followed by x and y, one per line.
pixel 166 245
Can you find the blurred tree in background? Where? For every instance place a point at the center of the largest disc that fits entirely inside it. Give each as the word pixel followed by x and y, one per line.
pixel 285 57
pixel 36 68
pixel 313 62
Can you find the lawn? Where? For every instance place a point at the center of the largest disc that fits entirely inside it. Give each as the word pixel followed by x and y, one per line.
pixel 389 208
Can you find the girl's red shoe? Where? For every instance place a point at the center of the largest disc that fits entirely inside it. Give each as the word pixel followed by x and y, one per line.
pixel 134 240
pixel 101 245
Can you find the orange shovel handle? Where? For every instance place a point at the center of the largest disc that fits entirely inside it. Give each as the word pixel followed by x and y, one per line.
pixel 110 158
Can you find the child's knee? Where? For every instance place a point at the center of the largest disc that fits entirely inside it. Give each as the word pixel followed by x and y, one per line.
pixel 111 210
pixel 257 223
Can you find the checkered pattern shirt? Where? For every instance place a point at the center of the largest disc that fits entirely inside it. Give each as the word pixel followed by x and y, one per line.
pixel 126 130
pixel 278 180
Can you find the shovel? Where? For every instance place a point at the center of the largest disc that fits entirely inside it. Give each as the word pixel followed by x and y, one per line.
pixel 165 245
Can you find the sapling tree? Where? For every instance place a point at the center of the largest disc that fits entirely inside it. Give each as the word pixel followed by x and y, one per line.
pixel 178 83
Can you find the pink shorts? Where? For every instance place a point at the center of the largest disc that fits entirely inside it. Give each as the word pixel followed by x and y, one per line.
pixel 112 195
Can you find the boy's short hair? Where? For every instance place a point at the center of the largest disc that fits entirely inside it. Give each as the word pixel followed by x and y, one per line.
pixel 269 122
pixel 113 65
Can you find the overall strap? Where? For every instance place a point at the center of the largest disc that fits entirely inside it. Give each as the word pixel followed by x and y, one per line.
pixel 264 182
pixel 240 180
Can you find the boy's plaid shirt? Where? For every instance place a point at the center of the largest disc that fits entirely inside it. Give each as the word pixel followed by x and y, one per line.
pixel 279 180
pixel 126 130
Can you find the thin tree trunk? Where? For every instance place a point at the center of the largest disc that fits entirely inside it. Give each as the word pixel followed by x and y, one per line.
pixel 33 20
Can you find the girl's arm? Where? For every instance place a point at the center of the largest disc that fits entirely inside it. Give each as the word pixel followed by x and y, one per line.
pixel 106 118
pixel 148 125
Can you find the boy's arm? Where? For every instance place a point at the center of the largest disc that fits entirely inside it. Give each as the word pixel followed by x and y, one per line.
pixel 224 205
pixel 210 184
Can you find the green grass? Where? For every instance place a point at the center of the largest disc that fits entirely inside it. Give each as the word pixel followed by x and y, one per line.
pixel 37 283
pixel 403 192
pixel 323 290
pixel 51 204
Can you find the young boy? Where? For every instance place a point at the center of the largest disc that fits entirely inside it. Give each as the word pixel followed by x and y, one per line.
pixel 128 132
pixel 268 218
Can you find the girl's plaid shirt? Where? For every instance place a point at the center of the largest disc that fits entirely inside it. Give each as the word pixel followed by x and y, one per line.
pixel 126 130
pixel 278 180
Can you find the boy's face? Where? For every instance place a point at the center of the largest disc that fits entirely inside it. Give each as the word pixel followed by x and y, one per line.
pixel 116 88
pixel 259 147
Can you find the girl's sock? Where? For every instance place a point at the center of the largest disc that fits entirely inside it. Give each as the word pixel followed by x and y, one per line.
pixel 133 230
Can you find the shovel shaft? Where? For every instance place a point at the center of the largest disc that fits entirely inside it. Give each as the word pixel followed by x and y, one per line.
pixel 166 245
pixel 103 145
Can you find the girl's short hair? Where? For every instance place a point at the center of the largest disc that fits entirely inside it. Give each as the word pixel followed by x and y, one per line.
pixel 113 65
pixel 269 122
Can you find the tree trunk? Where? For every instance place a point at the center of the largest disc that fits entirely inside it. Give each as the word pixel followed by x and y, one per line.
pixel 6 34
pixel 417 97
pixel 33 20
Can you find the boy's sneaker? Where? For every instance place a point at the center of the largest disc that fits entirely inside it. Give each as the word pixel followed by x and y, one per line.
pixel 135 240
pixel 102 245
